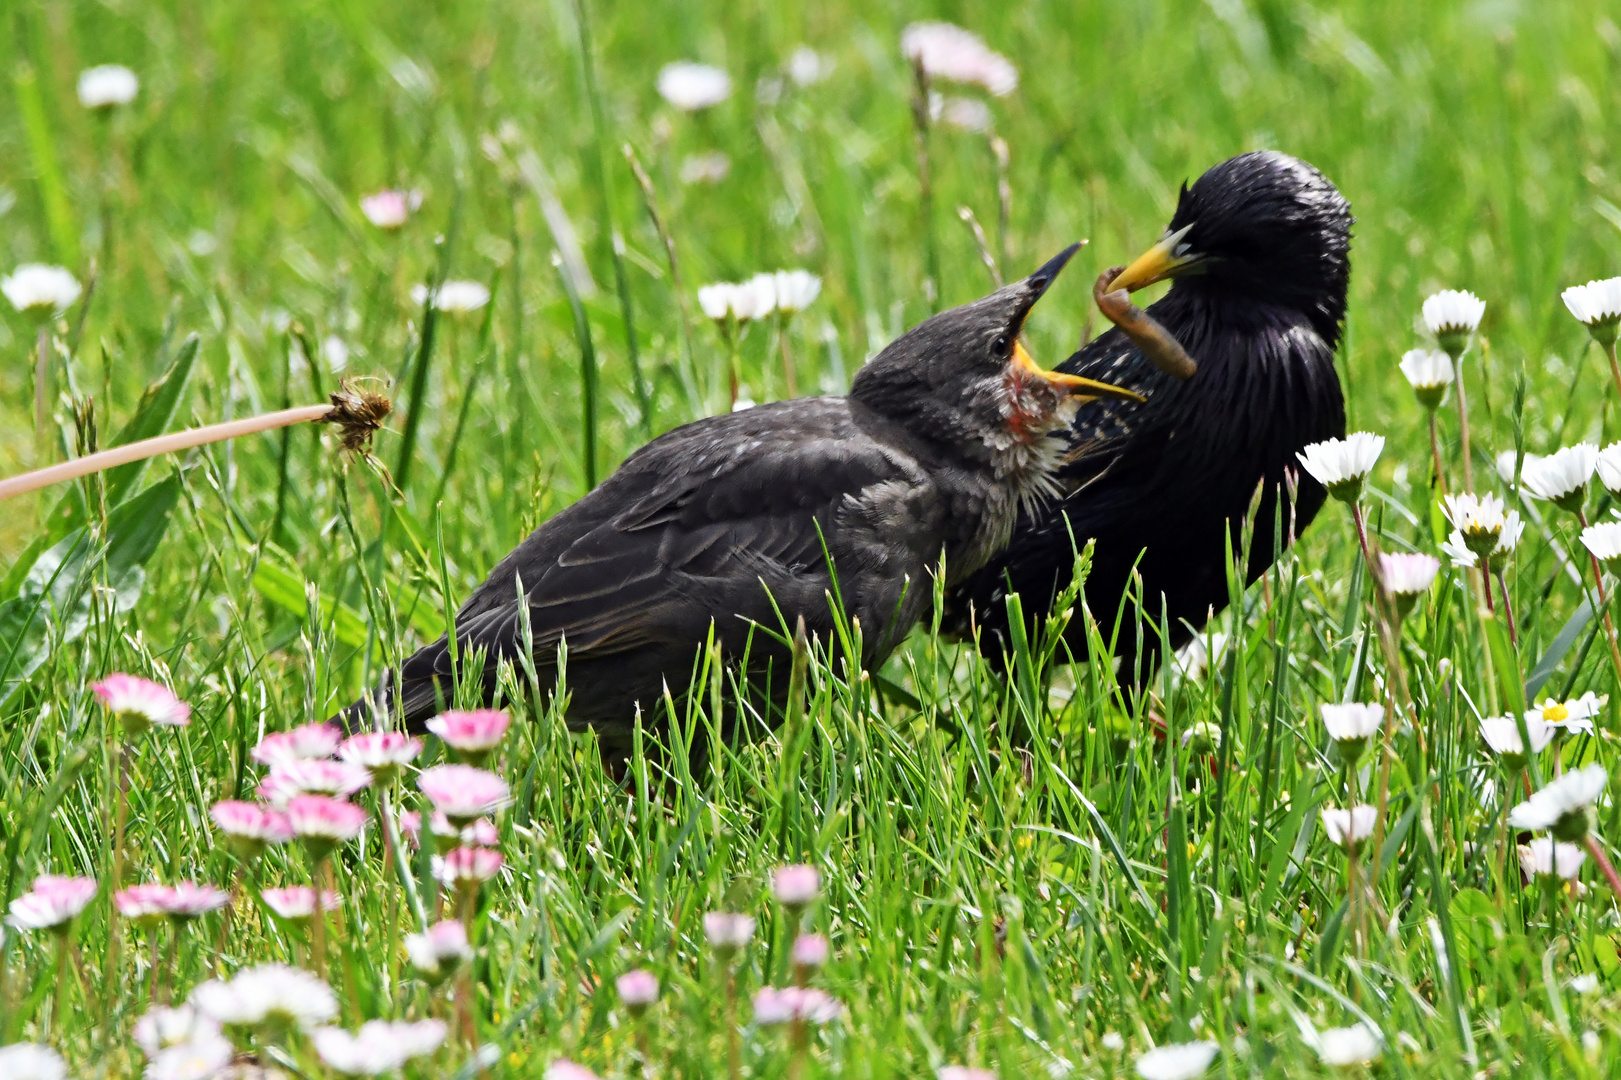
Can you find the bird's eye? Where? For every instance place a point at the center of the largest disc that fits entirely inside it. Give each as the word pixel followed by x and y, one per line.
pixel 1000 345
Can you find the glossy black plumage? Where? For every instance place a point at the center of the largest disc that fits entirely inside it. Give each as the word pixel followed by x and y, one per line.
pixel 1259 306
pixel 720 525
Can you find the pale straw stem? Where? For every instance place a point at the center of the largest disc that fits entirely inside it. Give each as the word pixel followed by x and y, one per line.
pixel 162 444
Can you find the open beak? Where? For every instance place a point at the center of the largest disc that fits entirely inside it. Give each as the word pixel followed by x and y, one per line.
pixel 1159 262
pixel 1074 385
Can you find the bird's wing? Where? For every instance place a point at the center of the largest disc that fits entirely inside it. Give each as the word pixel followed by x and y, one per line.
pixel 684 532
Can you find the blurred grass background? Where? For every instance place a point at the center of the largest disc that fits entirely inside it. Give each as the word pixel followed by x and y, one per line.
pixel 1473 141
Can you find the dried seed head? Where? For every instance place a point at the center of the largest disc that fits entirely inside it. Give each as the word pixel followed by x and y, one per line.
pixel 358 413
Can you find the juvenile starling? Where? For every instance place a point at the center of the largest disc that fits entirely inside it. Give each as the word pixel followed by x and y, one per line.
pixel 728 525
pixel 1259 256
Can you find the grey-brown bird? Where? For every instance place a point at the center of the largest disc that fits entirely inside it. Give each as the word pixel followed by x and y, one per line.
pixel 740 525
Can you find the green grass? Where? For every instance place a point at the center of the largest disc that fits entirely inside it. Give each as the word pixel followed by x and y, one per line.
pixel 1133 890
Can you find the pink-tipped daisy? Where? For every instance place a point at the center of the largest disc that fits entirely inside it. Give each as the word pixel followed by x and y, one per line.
pixel 298 744
pixel 141 703
pixel 796 886
pixel 564 1069
pixel 380 1046
pixel 144 905
pixel 803 1003
pixel 322 822
pixel 463 793
pixel 728 931
pixel 187 900
pixel 288 779
pixel 437 953
pixel 472 734
pixel 388 209
pixel 53 903
pixel 296 903
pixel 383 753
pixel 467 867
pixel 250 827
pixel 445 835
pixel 637 990
pixel 810 951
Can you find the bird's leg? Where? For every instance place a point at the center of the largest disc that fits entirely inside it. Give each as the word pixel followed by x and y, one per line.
pixel 1145 332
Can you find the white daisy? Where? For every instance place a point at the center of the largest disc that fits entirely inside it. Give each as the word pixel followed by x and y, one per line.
pixel 269 993
pixel 1597 306
pixel 1561 807
pixel 1429 371
pixel 1546 857
pixel 796 290
pixel 1342 465
pixel 948 52
pixel 1452 316
pixel 1352 723
pixel 1479 518
pixel 1358 1044
pixel 1573 717
pixel 453 297
pixel 107 85
pixel 40 291
pixel 716 300
pixel 1609 468
pixel 29 1061
pixel 1177 1061
pixel 1407 576
pixel 690 87
pixel 1604 541
pixel 198 1059
pixel 1348 828
pixel 1561 477
pixel 807 66
pixel 1502 735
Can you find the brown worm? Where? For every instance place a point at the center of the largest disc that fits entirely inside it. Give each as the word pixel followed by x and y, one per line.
pixel 1147 334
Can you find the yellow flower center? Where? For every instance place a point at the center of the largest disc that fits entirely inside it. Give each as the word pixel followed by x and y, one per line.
pixel 1555 713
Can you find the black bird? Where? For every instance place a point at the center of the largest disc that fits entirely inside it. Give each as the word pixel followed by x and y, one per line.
pixel 727 525
pixel 1259 257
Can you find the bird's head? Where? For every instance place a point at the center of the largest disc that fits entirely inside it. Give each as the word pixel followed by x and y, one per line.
pixel 1264 226
pixel 963 378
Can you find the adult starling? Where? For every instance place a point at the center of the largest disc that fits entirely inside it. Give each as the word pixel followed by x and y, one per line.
pixel 1258 255
pixel 728 525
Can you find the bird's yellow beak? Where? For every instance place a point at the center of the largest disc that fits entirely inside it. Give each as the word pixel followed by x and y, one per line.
pixel 1086 389
pixel 1159 262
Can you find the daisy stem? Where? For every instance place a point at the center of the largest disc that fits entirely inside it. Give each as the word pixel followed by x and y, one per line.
pixel 1463 424
pixel 1486 584
pixel 318 922
pixel 1435 451
pixel 734 1048
pixel 225 917
pixel 734 366
pixel 1615 368
pixel 790 382
pixel 61 983
pixel 42 372
pixel 1396 682
pixel 920 121
pixel 1597 851
pixel 1508 610
pixel 115 875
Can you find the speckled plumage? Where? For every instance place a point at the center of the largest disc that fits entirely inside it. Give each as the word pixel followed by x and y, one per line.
pixel 1157 484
